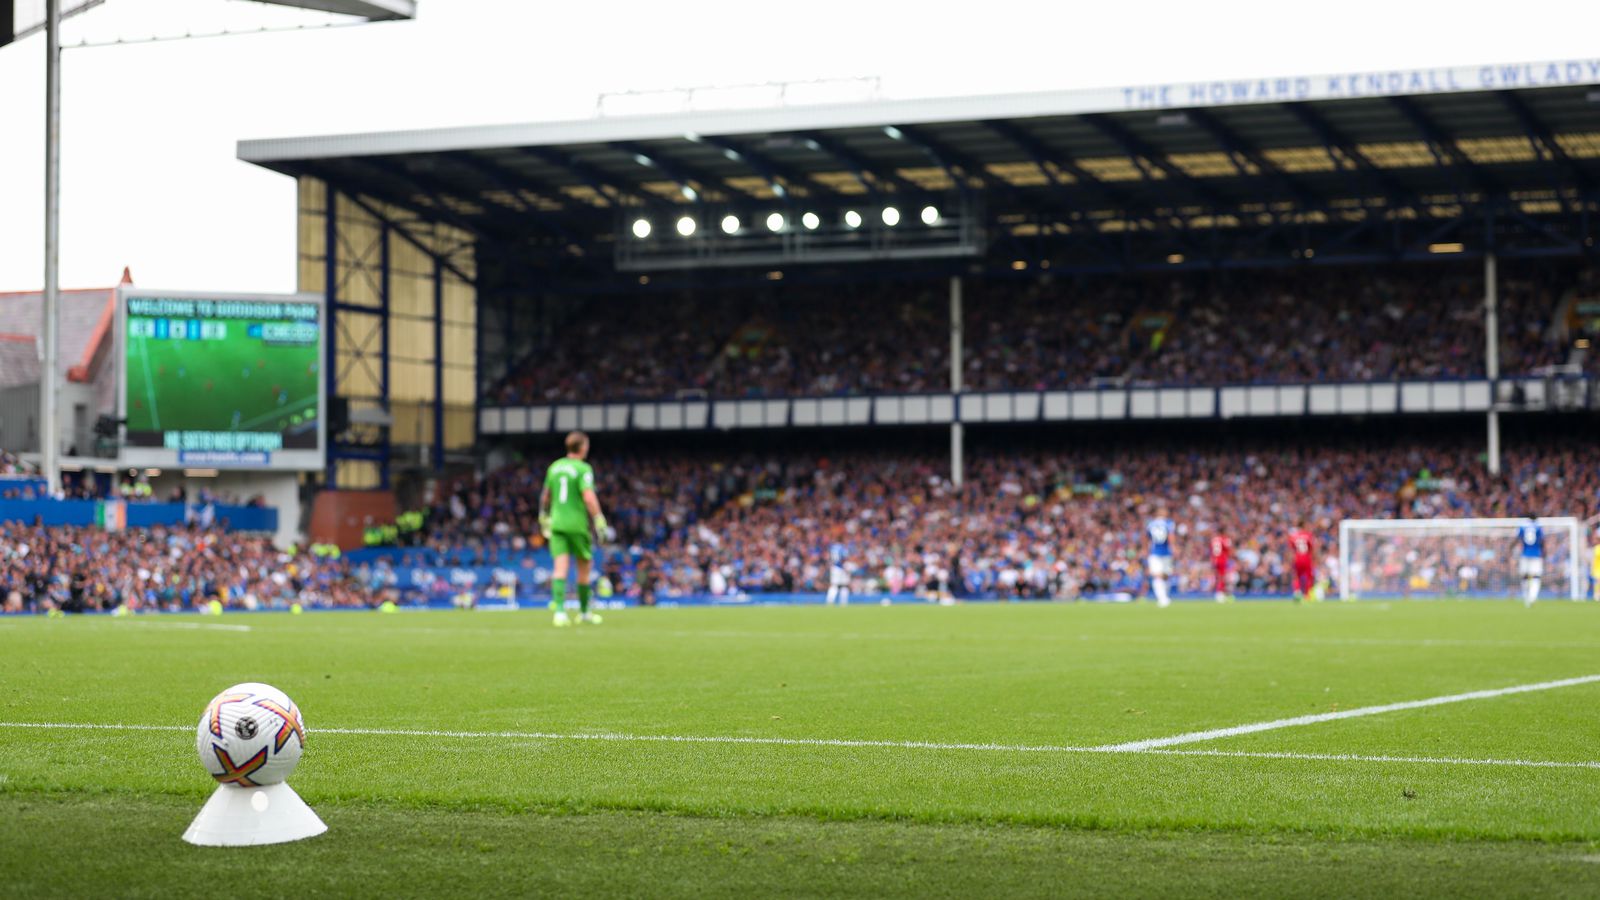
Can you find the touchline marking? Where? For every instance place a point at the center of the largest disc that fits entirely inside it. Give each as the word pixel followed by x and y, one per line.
pixel 1194 737
pixel 619 737
pixel 189 626
pixel 1354 757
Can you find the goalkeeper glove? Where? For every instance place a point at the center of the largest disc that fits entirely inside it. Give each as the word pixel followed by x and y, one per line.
pixel 600 525
pixel 544 526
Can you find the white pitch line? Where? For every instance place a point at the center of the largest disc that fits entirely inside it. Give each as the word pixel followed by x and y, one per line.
pixel 1356 757
pixel 618 737
pixel 190 626
pixel 1194 737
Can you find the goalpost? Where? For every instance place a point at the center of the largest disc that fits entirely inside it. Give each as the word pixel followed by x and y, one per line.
pixel 1454 557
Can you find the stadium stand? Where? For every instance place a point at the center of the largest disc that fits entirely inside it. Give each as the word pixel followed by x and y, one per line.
pixel 83 569
pixel 11 464
pixel 1263 326
pixel 1039 516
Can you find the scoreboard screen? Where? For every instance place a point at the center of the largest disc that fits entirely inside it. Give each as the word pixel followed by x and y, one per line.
pixel 222 380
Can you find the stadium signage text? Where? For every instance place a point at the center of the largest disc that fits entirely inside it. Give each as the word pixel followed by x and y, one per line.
pixel 222 458
pixel 1362 84
pixel 221 309
pixel 223 441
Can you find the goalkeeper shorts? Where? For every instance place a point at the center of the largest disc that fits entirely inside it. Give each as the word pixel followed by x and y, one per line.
pixel 576 543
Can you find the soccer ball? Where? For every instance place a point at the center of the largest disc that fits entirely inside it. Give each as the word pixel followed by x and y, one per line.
pixel 250 734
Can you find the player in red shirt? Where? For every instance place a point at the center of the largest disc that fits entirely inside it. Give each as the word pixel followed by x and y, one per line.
pixel 1301 545
pixel 1221 563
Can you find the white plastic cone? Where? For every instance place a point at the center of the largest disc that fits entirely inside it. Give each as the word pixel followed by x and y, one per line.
pixel 246 817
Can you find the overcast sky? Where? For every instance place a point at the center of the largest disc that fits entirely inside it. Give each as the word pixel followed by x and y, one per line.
pixel 150 179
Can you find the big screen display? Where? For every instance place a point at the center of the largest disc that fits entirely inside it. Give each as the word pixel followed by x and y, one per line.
pixel 222 380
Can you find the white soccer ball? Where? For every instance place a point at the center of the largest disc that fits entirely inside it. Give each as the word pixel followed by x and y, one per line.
pixel 250 734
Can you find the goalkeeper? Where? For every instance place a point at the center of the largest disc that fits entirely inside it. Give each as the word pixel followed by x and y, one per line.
pixel 566 509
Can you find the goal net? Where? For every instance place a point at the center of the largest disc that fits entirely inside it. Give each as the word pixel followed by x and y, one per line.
pixel 1454 558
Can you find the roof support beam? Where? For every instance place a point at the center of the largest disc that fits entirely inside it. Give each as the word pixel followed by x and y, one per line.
pixel 1545 145
pixel 1445 152
pixel 352 193
pixel 858 166
pixel 1333 139
pixel 508 181
pixel 1237 147
pixel 1041 154
pixel 428 188
pixel 1142 155
pixel 602 184
pixel 1036 152
pixel 692 186
pixel 943 157
pixel 353 189
pixel 764 166
pixel 1099 191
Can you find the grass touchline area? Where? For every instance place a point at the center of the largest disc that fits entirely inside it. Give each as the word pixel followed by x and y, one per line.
pixel 810 726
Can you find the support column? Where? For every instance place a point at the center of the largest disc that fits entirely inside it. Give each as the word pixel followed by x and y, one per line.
pixel 1491 354
pixel 438 364
pixel 958 466
pixel 1494 442
pixel 330 287
pixel 383 348
pixel 49 439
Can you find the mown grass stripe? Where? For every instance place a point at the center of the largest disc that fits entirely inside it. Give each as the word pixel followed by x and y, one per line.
pixel 1194 737
pixel 620 737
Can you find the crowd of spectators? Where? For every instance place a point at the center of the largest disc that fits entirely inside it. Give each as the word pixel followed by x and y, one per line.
pixel 1029 521
pixel 11 464
pixel 22 482
pixel 1324 324
pixel 82 569
pixel 1026 523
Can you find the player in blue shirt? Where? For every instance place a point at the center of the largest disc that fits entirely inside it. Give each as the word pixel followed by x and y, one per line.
pixel 1530 564
pixel 1159 563
pixel 838 575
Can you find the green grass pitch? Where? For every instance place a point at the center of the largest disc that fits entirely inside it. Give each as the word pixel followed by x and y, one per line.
pixel 904 751
pixel 233 384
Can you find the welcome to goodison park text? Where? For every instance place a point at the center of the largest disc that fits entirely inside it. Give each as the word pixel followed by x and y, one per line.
pixel 259 310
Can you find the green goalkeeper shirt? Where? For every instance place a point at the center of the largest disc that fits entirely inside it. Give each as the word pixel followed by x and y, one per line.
pixel 566 480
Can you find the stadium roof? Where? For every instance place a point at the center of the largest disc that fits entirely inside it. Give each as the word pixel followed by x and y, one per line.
pixel 1211 154
pixel 85 328
pixel 19 360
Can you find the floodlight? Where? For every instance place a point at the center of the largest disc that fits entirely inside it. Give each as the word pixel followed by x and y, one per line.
pixel 775 222
pixel 930 216
pixel 641 228
pixel 891 216
pixel 686 226
pixel 852 219
pixel 730 224
pixel 810 221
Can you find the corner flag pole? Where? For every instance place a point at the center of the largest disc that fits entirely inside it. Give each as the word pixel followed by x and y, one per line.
pixel 49 441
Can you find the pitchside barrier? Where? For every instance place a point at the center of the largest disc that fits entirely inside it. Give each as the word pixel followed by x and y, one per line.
pixel 57 513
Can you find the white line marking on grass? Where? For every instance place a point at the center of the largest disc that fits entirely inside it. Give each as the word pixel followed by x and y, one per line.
pixel 618 737
pixel 1193 737
pixel 188 626
pixel 1356 757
